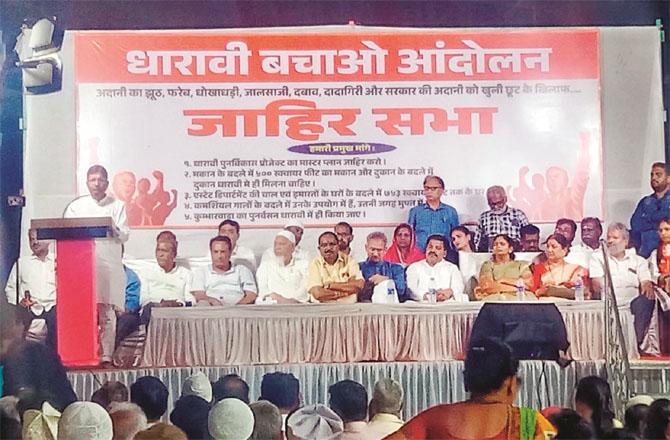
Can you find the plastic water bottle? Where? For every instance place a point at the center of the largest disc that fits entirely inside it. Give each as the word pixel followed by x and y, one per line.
pixel 520 289
pixel 432 296
pixel 579 289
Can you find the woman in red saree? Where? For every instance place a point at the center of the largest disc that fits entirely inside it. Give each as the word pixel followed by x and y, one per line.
pixel 403 249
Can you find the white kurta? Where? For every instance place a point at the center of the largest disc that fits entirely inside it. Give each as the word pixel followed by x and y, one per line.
pixel 87 206
pixel 421 277
pixel 39 278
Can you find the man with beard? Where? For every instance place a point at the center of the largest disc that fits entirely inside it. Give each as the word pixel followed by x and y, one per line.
pixel 435 279
pixel 631 280
pixel 333 276
pixel 650 210
pixel 282 277
pixel 500 219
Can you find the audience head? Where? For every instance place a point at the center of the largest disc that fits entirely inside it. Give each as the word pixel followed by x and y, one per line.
pixel 199 385
pixel 39 247
pixel 231 229
pixel 637 409
pixel 284 244
pixel 96 182
pixel 593 401
pixel 267 421
pixel 230 419
pixel 503 248
pixel 281 389
pixel 161 431
pixel 85 421
pixel 571 426
pixel 387 398
pixel 314 422
pixel 567 228
pixel 659 177
pixel 111 391
pixel 166 253
pixel 151 395
pixel 658 420
pixel 557 247
pixel 345 235
pixel 463 239
pixel 497 199
pixel 375 246
pixel 491 367
pixel 529 240
pixel 297 228
pixel 328 247
pixel 592 229
pixel 617 238
pixel 190 415
pixel 220 248
pixel 433 188
pixel 349 400
pixel 127 420
pixel 231 385
pixel 403 235
pixel 436 249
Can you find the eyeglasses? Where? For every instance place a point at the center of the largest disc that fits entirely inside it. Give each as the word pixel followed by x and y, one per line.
pixel 431 188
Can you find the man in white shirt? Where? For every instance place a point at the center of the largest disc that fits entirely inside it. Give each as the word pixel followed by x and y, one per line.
pixel 223 282
pixel 98 204
pixel 282 277
pixel 165 284
pixel 240 254
pixel 36 287
pixel 299 253
pixel 434 278
pixel 591 230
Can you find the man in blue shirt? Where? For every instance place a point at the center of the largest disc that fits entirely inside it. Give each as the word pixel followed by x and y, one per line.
pixel 129 321
pixel 650 210
pixel 433 216
pixel 375 269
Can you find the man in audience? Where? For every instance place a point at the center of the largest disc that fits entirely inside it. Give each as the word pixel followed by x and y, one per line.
pixel 240 255
pixel 98 204
pixel 333 276
pixel 197 384
pixel 314 422
pixel 650 210
pixel 299 253
pixel 433 216
pixel 230 419
pixel 109 392
pixel 36 290
pixel 529 240
pixel 267 421
pixel 500 219
pixel 190 415
pixel 376 271
pixel 166 284
pixel 85 421
pixel 127 420
pixel 350 401
pixel 283 278
pixel 283 390
pixel 223 282
pixel 231 385
pixel 385 407
pixel 435 279
pixel 150 394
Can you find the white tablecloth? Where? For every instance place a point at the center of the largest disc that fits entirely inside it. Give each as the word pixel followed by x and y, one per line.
pixel 322 333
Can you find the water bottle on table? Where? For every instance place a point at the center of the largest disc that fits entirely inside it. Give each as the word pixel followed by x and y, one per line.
pixel 520 289
pixel 579 289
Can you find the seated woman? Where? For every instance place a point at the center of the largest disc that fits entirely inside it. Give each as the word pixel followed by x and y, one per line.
pixel 490 375
pixel 498 277
pixel 403 249
pixel 556 278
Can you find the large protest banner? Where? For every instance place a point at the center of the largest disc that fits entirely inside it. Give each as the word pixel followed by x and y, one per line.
pixel 263 127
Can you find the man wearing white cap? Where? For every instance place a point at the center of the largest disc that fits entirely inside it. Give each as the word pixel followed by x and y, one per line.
pixel 314 422
pixel 230 419
pixel 199 385
pixel 85 421
pixel 299 253
pixel 282 277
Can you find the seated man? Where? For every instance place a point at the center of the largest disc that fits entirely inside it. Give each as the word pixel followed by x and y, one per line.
pixel 36 294
pixel 223 282
pixel 128 320
pixel 435 279
pixel 333 276
pixel 283 278
pixel 166 284
pixel 375 270
pixel 299 253
pixel 530 238
pixel 240 255
pixel 631 278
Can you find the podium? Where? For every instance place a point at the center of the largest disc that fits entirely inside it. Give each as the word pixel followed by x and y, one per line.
pixel 88 271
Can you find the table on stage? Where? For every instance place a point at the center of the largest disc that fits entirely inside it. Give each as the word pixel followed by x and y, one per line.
pixel 323 333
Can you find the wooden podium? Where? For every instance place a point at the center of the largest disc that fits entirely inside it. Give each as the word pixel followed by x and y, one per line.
pixel 88 261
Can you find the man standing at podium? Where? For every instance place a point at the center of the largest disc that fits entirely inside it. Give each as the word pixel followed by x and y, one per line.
pixel 98 204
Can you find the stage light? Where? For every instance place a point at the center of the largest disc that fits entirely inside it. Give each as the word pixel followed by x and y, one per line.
pixel 39 58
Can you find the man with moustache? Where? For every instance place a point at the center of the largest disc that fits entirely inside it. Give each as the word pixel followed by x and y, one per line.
pixel 375 270
pixel 333 276
pixel 650 210
pixel 432 216
pixel 435 275
pixel 500 219
pixel 282 277
pixel 529 240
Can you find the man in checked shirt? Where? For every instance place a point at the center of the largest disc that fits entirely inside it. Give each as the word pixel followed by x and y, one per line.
pixel 500 219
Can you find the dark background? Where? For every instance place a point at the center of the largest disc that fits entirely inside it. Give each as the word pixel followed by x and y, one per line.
pixel 105 14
